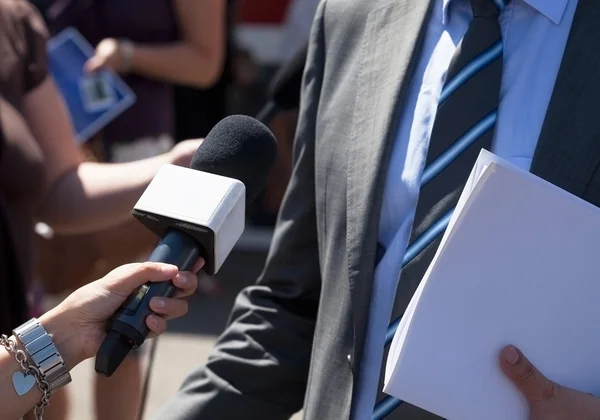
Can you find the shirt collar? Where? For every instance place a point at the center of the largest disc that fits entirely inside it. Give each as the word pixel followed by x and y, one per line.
pixel 552 9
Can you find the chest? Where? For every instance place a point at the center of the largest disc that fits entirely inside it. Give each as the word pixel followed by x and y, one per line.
pixel 546 121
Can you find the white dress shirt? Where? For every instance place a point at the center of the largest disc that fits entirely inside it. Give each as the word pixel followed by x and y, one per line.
pixel 534 33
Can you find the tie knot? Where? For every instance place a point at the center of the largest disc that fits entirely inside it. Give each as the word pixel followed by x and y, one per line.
pixel 488 8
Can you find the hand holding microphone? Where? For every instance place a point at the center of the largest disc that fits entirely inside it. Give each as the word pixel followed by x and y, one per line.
pixel 78 323
pixel 198 212
pixel 73 331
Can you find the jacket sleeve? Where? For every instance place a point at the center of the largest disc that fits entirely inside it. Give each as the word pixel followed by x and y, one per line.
pixel 258 368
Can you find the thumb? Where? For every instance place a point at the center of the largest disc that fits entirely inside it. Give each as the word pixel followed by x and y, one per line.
pixel 93 64
pixel 530 381
pixel 125 279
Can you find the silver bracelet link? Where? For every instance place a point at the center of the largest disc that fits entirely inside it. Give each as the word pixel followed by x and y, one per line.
pixel 29 369
pixel 39 358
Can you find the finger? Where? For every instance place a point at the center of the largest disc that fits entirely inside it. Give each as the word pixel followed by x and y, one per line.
pixel 92 65
pixel 197 265
pixel 125 279
pixel 169 308
pixel 186 283
pixel 530 381
pixel 156 324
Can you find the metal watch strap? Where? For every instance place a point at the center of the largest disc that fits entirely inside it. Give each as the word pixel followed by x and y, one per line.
pixel 42 352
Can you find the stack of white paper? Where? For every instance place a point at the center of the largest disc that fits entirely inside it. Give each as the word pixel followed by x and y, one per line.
pixel 519 264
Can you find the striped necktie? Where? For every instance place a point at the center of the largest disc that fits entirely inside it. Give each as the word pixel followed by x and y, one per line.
pixel 464 124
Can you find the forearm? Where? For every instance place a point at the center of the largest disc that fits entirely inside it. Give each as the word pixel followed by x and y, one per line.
pixel 94 196
pixel 178 63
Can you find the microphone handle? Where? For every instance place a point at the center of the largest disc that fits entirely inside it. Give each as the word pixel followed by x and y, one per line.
pixel 267 112
pixel 176 248
pixel 128 328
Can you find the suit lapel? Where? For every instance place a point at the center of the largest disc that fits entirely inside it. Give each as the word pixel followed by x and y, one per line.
pixel 568 149
pixel 393 35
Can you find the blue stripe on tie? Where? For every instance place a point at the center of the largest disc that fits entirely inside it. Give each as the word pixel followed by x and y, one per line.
pixel 442 161
pixel 426 238
pixel 415 249
pixel 478 63
pixel 385 407
pixel 389 404
pixel 391 331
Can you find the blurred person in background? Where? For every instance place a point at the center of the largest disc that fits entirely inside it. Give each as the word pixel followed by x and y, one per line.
pixel 198 108
pixel 43 174
pixel 154 46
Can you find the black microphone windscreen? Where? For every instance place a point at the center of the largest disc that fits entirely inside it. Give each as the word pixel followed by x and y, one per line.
pixel 238 147
pixel 285 87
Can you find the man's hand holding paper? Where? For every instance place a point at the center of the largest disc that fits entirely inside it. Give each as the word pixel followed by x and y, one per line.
pixel 547 400
pixel 517 265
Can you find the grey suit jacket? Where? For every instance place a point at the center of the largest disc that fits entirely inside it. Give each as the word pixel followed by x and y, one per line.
pixel 294 339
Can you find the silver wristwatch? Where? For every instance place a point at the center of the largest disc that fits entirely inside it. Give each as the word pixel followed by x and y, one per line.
pixel 42 352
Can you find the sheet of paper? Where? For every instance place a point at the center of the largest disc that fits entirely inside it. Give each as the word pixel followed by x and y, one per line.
pixel 518 264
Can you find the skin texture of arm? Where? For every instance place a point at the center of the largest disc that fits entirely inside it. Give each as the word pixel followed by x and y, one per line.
pixel 84 196
pixel 198 59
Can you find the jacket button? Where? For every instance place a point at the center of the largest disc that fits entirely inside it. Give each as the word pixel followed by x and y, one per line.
pixel 349 359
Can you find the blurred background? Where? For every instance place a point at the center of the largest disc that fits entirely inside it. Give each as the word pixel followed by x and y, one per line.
pixel 253 38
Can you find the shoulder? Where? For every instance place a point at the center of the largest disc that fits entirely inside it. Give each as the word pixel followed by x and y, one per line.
pixel 344 21
pixel 18 21
pixel 23 37
pixel 350 13
pixel 15 15
pixel 355 8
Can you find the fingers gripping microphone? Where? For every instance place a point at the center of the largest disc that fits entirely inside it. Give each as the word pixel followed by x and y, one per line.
pixel 284 89
pixel 197 211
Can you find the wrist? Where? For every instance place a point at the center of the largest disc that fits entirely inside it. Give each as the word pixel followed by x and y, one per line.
pixel 64 335
pixel 126 53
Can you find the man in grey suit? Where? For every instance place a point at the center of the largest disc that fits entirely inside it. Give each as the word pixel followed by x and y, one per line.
pixel 399 96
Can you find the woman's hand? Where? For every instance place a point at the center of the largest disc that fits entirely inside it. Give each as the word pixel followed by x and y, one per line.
pixel 183 152
pixel 78 324
pixel 108 55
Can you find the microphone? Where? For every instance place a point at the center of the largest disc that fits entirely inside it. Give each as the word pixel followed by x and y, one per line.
pixel 284 89
pixel 197 211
